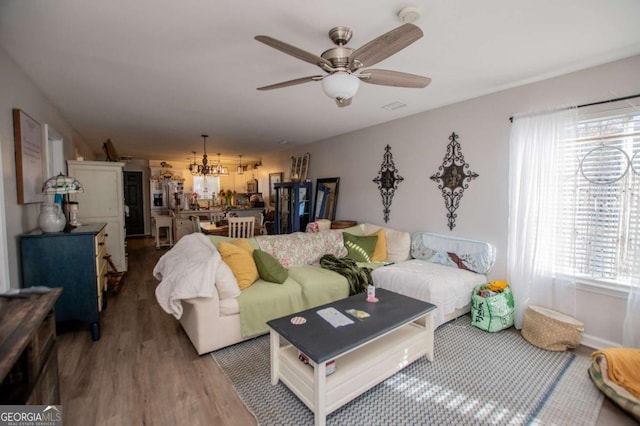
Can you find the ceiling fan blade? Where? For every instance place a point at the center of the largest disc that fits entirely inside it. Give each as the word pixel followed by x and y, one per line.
pixel 343 102
pixel 292 82
pixel 293 51
pixel 384 46
pixel 394 78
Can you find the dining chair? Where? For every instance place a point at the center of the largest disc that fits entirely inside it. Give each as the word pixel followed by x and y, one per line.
pixel 216 217
pixel 241 227
pixel 195 223
pixel 259 222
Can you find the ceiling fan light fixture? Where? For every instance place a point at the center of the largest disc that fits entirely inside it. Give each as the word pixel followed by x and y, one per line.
pixel 340 85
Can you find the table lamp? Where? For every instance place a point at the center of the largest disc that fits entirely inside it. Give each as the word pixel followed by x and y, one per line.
pixel 49 219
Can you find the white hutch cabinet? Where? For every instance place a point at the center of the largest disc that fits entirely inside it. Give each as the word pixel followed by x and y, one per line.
pixel 102 201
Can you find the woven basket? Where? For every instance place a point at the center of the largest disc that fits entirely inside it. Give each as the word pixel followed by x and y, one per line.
pixel 551 330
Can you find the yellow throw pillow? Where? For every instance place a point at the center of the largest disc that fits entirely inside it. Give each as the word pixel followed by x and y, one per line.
pixel 241 262
pixel 380 252
pixel 243 244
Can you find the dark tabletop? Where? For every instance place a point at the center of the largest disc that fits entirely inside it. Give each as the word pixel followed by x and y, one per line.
pixel 321 342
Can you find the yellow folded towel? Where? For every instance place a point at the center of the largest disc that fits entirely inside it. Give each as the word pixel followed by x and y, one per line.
pixel 624 367
pixel 496 286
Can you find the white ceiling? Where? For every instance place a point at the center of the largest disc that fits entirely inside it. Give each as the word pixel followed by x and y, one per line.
pixel 152 75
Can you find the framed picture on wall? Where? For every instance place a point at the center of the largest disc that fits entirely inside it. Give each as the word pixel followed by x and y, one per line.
pixel 273 179
pixel 252 186
pixel 28 139
pixel 299 167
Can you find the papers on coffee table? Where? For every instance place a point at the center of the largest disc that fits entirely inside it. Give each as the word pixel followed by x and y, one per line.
pixel 334 317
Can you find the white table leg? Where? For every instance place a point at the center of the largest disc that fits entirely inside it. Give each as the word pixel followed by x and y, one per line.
pixel 428 323
pixel 275 354
pixel 320 394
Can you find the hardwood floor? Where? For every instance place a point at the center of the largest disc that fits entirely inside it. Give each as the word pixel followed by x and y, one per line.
pixel 144 370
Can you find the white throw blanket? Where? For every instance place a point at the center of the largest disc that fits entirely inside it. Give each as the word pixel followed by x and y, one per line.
pixel 187 270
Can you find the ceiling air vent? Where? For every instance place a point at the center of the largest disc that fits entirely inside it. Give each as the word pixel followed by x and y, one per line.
pixel 394 105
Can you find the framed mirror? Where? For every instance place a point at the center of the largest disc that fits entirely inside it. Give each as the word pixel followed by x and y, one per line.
pixel 326 198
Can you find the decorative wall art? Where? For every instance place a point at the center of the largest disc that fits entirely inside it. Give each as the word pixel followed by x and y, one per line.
pixel 387 181
pixel 453 178
pixel 28 139
pixel 299 167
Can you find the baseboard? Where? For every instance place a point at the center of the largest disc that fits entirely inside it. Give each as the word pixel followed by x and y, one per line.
pixel 598 343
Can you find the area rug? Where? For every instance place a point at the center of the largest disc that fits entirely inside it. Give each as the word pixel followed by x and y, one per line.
pixel 476 378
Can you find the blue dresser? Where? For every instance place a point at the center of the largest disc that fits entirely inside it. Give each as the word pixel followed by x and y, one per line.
pixel 74 261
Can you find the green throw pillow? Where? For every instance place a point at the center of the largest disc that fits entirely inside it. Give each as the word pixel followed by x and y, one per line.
pixel 359 248
pixel 269 268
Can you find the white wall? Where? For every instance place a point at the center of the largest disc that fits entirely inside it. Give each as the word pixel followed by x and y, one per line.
pixel 18 91
pixel 418 146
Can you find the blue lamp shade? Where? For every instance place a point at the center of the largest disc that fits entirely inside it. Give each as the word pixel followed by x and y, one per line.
pixel 61 184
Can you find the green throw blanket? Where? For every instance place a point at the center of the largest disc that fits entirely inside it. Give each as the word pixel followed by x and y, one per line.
pixel 358 278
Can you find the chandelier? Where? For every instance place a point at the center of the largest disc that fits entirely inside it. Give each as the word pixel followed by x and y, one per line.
pixel 218 169
pixel 240 167
pixel 204 168
pixel 193 167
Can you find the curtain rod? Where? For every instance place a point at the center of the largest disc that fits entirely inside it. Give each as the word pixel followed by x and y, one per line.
pixel 624 98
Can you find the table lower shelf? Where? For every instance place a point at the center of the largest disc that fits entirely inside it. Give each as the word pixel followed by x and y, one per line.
pixel 359 369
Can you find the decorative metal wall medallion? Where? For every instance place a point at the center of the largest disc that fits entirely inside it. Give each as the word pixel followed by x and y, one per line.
pixel 453 178
pixel 387 181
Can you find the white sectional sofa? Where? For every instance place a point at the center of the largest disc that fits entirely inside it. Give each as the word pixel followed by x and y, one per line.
pixel 214 317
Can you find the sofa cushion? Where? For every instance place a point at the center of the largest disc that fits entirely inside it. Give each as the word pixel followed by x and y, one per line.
pixel 226 282
pixel 264 301
pixel 476 256
pixel 215 239
pixel 302 248
pixel 380 252
pixel 353 230
pixel 319 285
pixel 241 262
pixel 359 248
pixel 269 268
pixel 398 242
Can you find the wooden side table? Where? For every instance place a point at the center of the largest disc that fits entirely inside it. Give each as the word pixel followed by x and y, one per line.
pixel 342 224
pixel 28 355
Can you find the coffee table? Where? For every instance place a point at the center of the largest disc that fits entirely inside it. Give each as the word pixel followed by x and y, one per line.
pixel 398 331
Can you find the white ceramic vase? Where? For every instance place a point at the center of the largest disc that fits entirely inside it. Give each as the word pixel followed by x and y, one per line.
pixel 51 218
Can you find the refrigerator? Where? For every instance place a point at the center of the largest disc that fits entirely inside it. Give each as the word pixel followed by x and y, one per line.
pixel 164 193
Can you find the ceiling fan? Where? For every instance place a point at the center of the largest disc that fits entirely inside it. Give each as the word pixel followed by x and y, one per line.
pixel 343 65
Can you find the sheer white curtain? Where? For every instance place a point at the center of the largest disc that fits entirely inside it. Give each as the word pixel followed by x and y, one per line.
pixel 631 331
pixel 535 173
pixel 631 327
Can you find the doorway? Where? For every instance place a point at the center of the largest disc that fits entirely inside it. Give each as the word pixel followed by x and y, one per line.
pixel 133 199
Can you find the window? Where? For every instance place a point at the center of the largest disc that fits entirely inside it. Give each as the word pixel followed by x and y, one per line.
pixel 206 186
pixel 599 205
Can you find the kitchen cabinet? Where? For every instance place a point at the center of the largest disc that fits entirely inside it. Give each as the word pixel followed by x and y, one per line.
pixel 74 261
pixel 102 201
pixel 293 206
